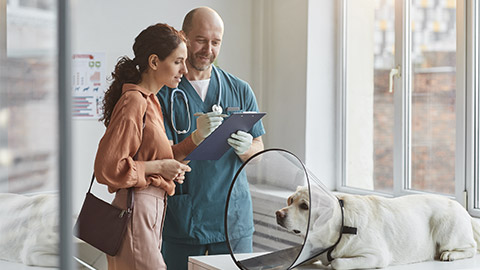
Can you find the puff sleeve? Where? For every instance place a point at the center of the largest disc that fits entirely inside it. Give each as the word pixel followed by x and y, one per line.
pixel 114 164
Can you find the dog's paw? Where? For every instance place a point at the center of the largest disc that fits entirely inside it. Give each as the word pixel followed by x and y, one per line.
pixel 448 256
pixel 456 255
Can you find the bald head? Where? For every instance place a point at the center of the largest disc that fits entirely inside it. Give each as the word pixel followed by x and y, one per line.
pixel 203 28
pixel 202 17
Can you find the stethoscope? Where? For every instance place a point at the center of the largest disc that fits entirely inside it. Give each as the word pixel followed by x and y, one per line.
pixel 215 108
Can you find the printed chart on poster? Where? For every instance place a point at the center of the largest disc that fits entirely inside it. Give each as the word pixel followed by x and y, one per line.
pixel 88 85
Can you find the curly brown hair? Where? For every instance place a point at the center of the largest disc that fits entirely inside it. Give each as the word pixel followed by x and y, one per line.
pixel 159 39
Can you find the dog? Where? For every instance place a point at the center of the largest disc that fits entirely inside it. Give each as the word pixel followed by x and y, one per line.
pixel 29 229
pixel 390 231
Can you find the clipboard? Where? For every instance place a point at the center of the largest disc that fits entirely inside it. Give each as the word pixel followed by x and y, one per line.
pixel 215 145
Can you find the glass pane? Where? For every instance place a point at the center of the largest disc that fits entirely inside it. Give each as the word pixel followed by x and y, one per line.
pixel 28 134
pixel 370 45
pixel 433 95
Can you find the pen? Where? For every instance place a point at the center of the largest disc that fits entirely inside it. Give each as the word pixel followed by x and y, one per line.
pixel 201 113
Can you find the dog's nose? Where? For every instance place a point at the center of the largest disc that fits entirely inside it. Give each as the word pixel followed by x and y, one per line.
pixel 280 214
pixel 280 217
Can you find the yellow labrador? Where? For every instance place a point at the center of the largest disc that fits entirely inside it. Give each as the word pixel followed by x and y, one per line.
pixel 391 231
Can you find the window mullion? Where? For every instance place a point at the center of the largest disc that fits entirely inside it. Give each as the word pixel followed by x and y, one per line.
pixel 3 29
pixel 342 172
pixel 468 133
pixel 402 99
pixel 475 74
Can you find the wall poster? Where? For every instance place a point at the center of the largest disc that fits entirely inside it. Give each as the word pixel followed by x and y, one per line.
pixel 88 85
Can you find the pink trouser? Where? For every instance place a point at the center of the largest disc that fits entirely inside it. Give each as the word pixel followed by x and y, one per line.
pixel 141 247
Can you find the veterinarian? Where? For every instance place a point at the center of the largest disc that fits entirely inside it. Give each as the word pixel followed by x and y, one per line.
pixel 194 224
pixel 134 120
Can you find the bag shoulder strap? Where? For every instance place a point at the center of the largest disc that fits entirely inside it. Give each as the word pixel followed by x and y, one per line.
pixel 130 190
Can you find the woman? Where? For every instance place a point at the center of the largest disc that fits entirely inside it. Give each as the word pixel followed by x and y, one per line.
pixel 134 121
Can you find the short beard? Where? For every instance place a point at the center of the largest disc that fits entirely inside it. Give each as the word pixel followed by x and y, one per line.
pixel 199 68
pixel 190 59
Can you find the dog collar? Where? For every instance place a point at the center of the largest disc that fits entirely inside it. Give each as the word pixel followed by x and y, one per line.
pixel 344 230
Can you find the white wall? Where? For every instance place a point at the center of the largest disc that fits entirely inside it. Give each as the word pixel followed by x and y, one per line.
pixel 283 72
pixel 322 68
pixel 295 50
pixel 290 64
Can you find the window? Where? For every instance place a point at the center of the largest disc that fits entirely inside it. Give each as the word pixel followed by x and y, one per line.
pixel 433 96
pixel 32 76
pixel 28 112
pixel 399 96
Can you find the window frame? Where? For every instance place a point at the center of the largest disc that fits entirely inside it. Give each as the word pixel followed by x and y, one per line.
pixel 471 99
pixel 402 100
pixel 65 246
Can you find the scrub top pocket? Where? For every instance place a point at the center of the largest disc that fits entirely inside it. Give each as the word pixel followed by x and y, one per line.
pixel 181 189
pixel 179 224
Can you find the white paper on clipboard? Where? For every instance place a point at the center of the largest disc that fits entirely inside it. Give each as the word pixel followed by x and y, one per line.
pixel 215 145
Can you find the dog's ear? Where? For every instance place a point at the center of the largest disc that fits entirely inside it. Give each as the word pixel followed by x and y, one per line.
pixel 322 209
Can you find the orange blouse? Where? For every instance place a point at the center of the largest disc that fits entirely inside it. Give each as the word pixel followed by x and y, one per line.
pixel 114 163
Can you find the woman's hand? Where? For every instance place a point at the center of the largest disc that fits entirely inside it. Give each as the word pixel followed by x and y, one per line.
pixel 169 169
pixel 180 177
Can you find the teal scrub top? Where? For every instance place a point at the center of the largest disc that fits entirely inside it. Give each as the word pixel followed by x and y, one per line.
pixel 195 214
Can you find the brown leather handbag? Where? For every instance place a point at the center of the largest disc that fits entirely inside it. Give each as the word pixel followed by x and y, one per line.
pixel 101 224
